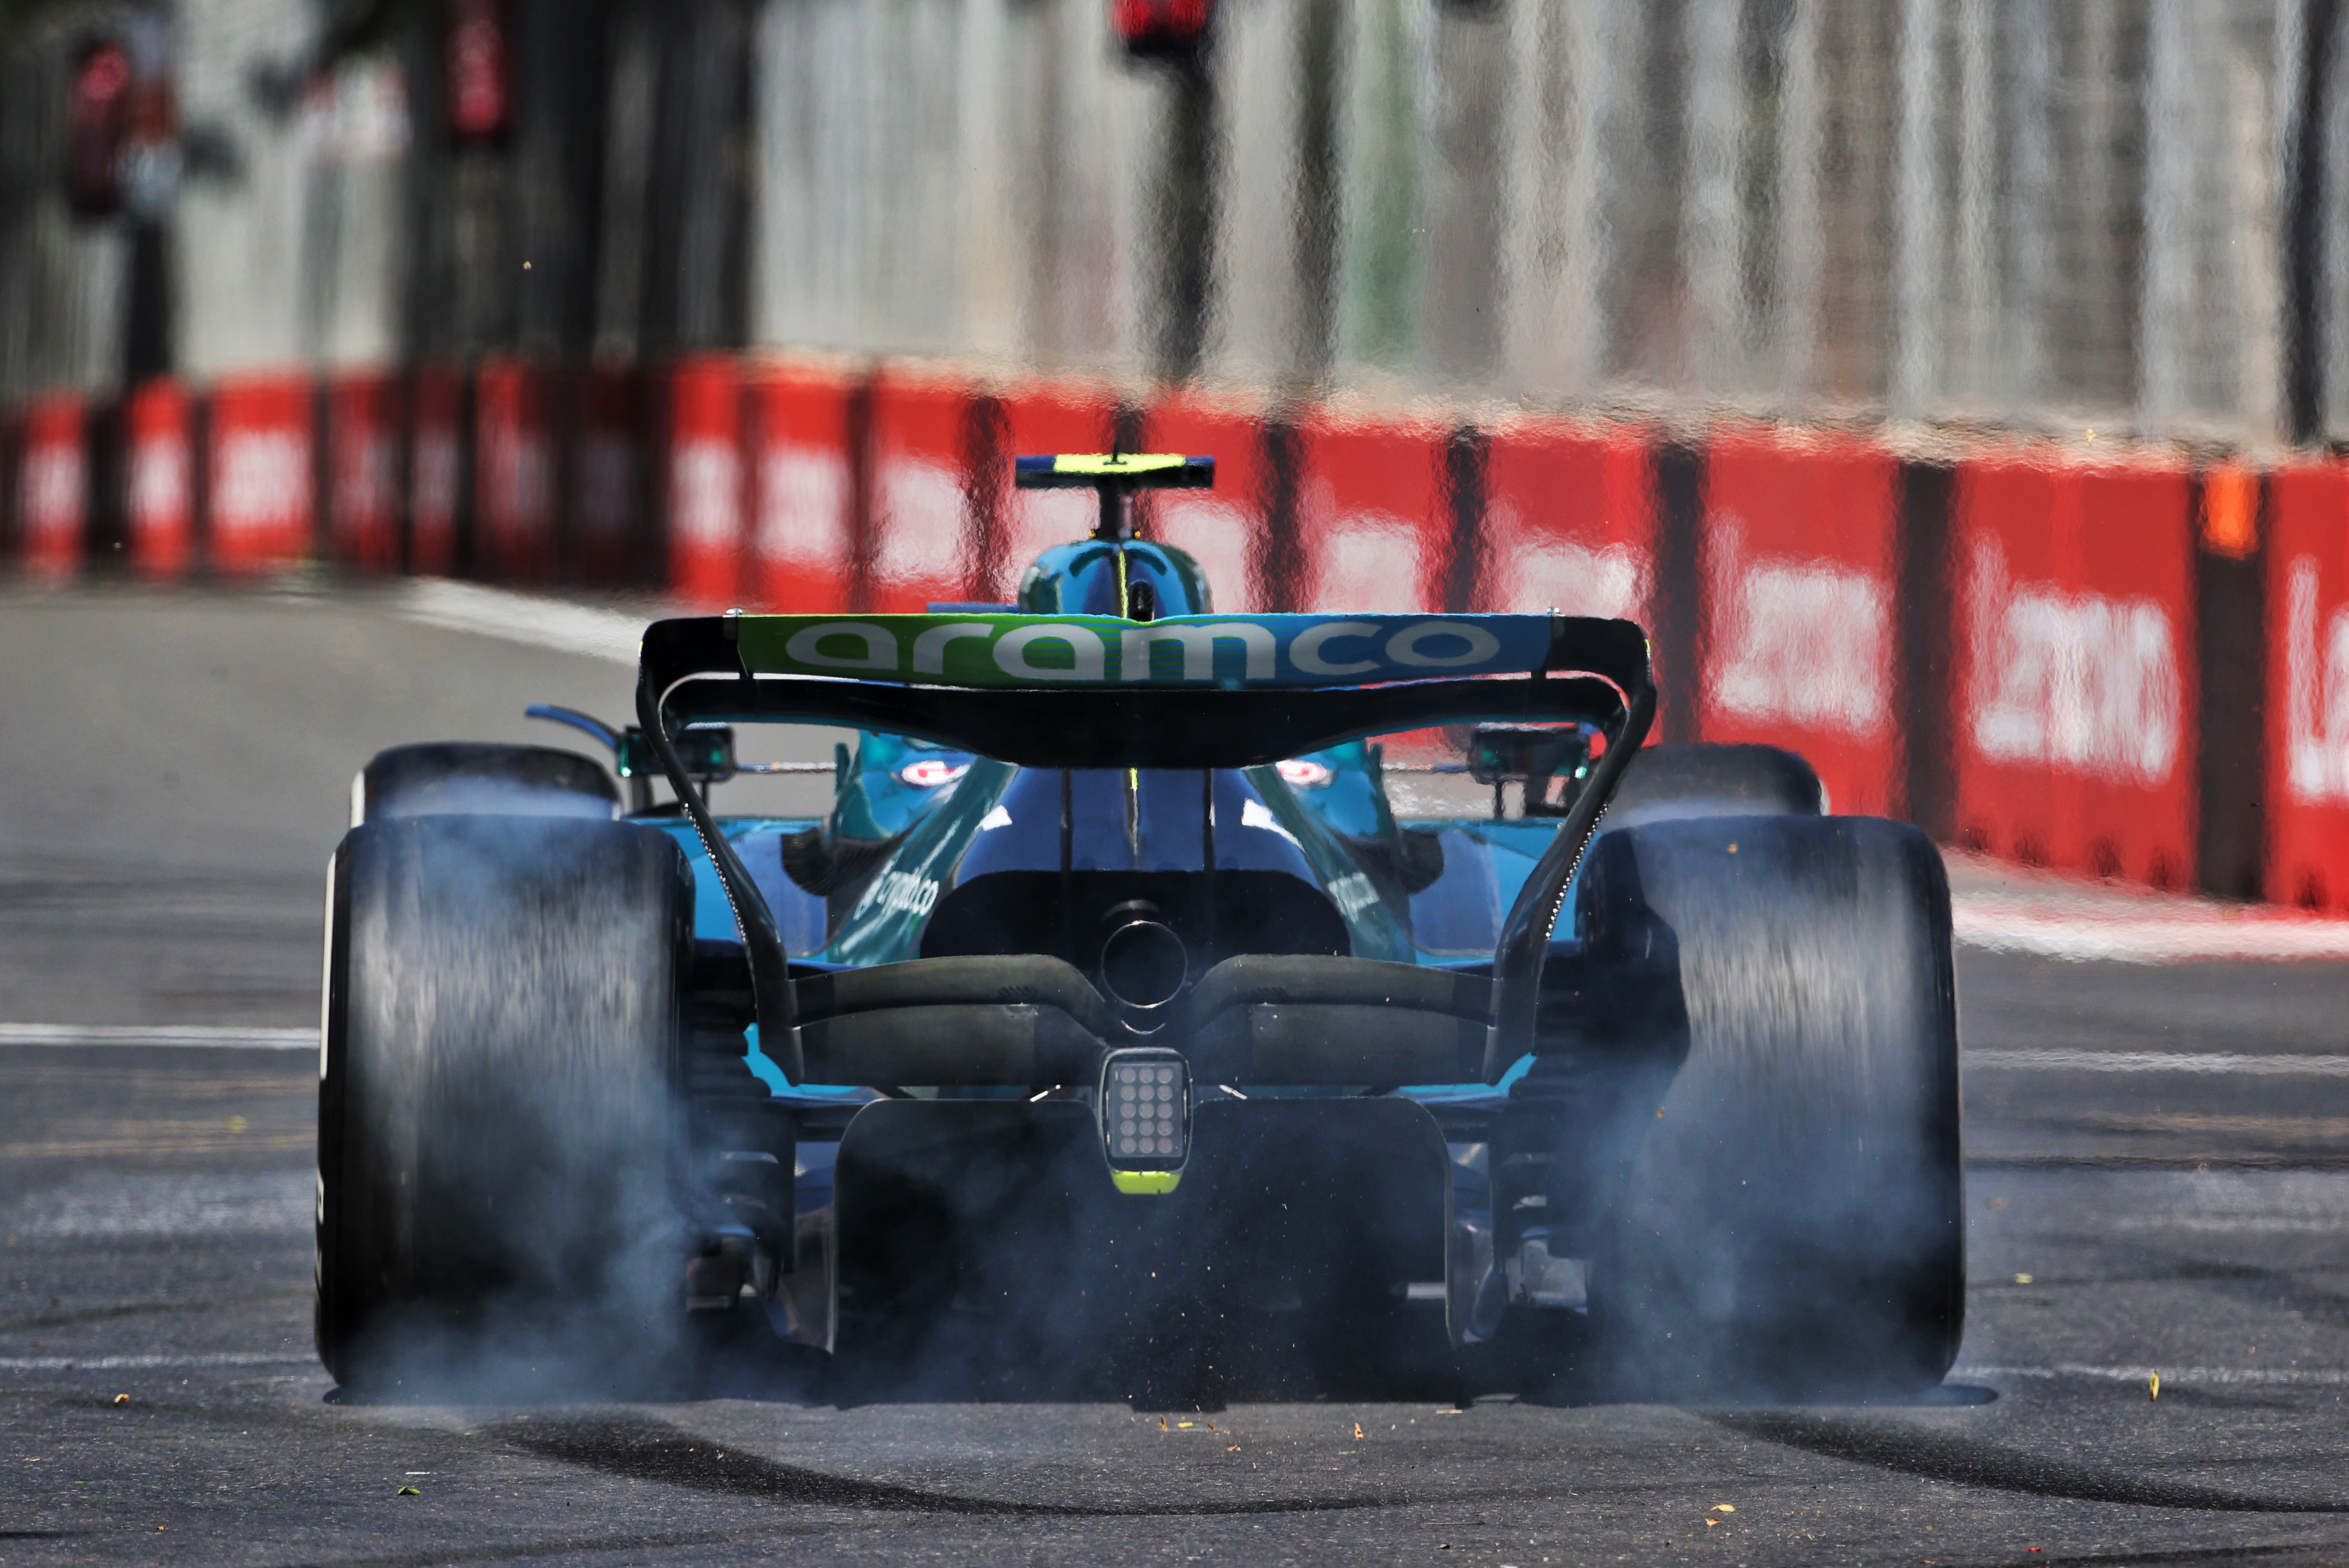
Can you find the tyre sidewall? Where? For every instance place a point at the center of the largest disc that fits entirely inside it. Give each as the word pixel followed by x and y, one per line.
pixel 1790 1222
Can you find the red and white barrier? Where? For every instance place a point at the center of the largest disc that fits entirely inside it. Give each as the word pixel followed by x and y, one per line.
pixel 809 486
pixel 363 472
pixel 1569 520
pixel 803 489
pixel 2307 797
pixel 917 550
pixel 513 471
pixel 262 475
pixel 159 481
pixel 436 458
pixel 1223 528
pixel 608 479
pixel 705 481
pixel 2074 674
pixel 53 485
pixel 1374 524
pixel 1799 558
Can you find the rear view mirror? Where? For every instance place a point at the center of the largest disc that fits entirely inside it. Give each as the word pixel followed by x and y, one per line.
pixel 1533 754
pixel 706 751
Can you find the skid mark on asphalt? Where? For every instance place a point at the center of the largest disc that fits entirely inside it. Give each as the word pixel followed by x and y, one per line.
pixel 76 1317
pixel 2195 1063
pixel 655 1451
pixel 1968 1461
pixel 2218 1159
pixel 578 1546
pixel 2251 1129
pixel 2276 1289
pixel 158 1363
pixel 2192 1554
pixel 157 1140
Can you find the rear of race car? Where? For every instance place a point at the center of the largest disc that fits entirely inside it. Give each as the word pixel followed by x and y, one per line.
pixel 1159 983
pixel 1163 1019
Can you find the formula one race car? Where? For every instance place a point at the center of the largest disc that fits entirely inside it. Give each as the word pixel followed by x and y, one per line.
pixel 1160 981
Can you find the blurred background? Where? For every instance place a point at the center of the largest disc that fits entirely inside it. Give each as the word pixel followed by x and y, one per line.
pixel 2032 215
pixel 1949 386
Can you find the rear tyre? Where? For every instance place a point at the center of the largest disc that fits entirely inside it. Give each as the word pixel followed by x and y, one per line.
pixel 1707 778
pixel 1787 1221
pixel 480 779
pixel 500 1137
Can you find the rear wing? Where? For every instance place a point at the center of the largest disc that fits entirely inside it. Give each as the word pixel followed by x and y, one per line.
pixel 1195 691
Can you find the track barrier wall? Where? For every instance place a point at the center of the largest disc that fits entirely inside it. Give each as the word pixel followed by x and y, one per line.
pixel 2075 670
pixel 1569 520
pixel 606 477
pixel 363 497
pixel 1798 559
pixel 11 440
pixel 261 473
pixel 53 485
pixel 1372 525
pixel 2112 662
pixel 918 495
pixel 513 471
pixel 803 489
pixel 436 470
pixel 2233 505
pixel 158 501
pixel 2307 581
pixel 704 490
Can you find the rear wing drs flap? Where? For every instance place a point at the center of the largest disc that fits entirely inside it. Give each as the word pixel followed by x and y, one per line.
pixel 1192 692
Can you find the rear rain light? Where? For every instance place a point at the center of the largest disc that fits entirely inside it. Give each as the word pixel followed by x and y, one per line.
pixel 1146 1108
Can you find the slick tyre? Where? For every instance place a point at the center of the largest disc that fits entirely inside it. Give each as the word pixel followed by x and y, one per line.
pixel 1705 778
pixel 1788 1219
pixel 500 1133
pixel 479 779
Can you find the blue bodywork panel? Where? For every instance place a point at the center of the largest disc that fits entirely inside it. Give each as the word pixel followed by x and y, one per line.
pixel 950 813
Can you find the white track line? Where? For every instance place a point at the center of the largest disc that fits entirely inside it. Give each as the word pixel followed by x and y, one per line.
pixel 2159 930
pixel 2200 1062
pixel 147 1363
pixel 2320 1376
pixel 2234 1224
pixel 557 624
pixel 203 1037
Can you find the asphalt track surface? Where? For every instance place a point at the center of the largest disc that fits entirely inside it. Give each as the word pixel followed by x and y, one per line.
pixel 2158 1181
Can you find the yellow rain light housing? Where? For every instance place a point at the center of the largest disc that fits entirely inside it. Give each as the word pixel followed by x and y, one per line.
pixel 1116 476
pixel 1145 1117
pixel 1135 470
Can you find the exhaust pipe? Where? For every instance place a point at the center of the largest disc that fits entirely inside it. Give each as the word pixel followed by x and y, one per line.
pixel 1144 964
